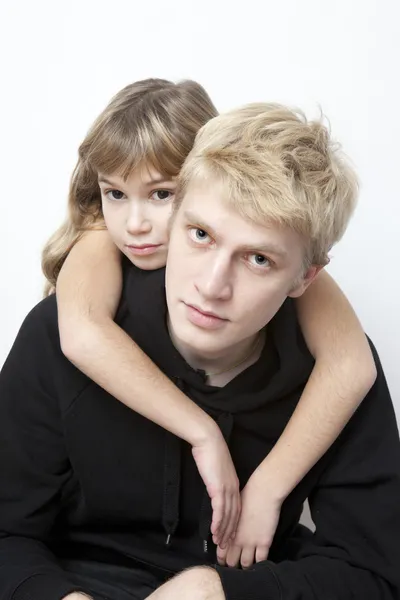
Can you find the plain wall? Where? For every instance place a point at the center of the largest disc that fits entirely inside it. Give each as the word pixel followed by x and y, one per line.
pixel 61 63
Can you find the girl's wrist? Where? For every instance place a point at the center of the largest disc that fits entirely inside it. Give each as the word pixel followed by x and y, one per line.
pixel 204 432
pixel 276 479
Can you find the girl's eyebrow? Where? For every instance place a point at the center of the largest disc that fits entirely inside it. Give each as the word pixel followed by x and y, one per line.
pixel 107 181
pixel 157 180
pixel 152 181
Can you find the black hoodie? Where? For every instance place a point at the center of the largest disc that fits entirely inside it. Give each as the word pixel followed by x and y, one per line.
pixel 95 497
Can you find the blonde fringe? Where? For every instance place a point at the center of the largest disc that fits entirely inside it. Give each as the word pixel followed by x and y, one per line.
pixel 277 166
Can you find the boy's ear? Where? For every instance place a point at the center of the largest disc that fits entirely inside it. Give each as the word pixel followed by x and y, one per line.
pixel 307 279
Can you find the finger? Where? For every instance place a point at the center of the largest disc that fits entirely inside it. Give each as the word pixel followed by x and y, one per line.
pixel 218 507
pixel 238 510
pixel 233 519
pixel 247 556
pixel 221 555
pixel 261 553
pixel 221 532
pixel 233 555
pixel 221 536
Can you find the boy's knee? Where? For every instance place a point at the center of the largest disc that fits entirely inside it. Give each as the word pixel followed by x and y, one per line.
pixel 203 583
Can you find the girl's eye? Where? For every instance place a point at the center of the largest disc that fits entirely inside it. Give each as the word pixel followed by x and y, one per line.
pixel 259 260
pixel 162 195
pixel 115 195
pixel 199 235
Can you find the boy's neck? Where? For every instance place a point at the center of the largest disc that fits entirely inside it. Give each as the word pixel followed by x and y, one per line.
pixel 222 368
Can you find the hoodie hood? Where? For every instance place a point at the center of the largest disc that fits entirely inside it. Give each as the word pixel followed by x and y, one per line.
pixel 285 359
pixel 284 364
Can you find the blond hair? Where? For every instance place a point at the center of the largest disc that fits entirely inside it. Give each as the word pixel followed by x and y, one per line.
pixel 275 166
pixel 155 121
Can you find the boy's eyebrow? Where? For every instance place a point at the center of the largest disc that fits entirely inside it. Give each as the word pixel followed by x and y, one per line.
pixel 192 218
pixel 269 248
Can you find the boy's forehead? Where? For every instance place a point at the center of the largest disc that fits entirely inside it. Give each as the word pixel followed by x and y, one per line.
pixel 208 207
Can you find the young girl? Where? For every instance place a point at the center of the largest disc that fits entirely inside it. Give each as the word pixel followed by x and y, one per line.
pixel 149 127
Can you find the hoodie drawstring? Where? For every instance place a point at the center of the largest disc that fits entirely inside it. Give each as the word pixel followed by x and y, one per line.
pixel 172 480
pixel 225 423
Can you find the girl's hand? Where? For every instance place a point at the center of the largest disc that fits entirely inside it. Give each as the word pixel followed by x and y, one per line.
pixel 257 525
pixel 216 468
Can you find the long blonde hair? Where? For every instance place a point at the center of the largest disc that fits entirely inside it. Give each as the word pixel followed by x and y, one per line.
pixel 153 120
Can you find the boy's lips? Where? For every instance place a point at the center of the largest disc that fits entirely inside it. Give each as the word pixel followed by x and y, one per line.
pixel 204 319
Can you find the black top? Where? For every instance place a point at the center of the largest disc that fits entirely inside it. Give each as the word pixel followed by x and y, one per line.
pixel 90 491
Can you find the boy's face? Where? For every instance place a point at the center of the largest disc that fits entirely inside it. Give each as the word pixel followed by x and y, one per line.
pixel 136 213
pixel 226 276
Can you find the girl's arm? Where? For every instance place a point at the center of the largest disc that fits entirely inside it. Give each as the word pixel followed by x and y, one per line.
pixel 88 294
pixel 343 374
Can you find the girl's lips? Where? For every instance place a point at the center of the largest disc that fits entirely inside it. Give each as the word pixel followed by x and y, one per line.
pixel 143 250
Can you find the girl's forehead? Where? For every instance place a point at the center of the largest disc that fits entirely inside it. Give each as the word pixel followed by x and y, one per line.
pixel 148 172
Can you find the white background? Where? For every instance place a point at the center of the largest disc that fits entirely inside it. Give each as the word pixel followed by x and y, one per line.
pixel 62 61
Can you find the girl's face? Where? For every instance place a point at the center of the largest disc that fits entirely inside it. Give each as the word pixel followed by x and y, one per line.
pixel 136 212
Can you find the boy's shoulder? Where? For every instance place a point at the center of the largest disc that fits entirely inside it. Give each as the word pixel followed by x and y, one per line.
pixel 43 318
pixel 38 341
pixel 143 291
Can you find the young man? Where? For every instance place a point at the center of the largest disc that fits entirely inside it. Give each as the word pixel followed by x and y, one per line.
pixel 96 500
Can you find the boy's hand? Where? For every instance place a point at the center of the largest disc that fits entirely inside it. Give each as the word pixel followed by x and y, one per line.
pixel 257 525
pixel 216 468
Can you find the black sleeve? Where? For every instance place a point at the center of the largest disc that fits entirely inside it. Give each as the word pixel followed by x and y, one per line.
pixel 355 550
pixel 33 464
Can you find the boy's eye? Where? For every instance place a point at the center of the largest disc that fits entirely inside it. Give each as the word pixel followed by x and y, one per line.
pixel 199 235
pixel 162 195
pixel 259 260
pixel 115 195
